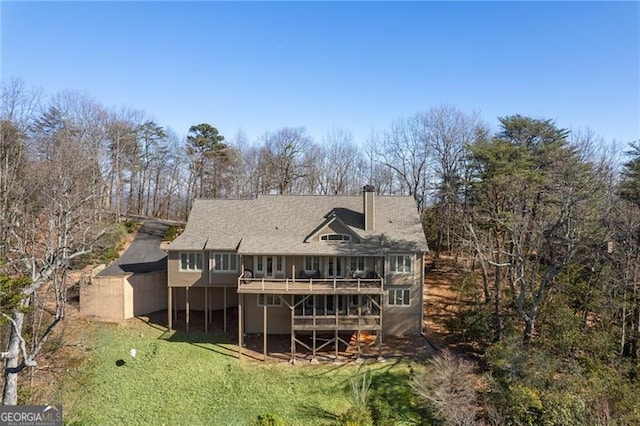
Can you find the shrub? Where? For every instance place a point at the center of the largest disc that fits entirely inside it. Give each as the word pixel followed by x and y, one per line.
pixel 448 386
pixel 381 412
pixel 269 419
pixel 356 416
pixel 131 226
pixel 563 409
pixel 172 232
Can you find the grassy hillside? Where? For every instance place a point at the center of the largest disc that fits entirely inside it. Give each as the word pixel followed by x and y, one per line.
pixel 192 379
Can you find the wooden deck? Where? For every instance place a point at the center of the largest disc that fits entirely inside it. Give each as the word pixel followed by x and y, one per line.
pixel 311 286
pixel 337 322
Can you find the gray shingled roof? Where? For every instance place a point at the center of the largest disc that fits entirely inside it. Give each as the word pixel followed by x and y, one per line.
pixel 279 224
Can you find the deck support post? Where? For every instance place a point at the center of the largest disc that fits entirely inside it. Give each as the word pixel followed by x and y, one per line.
pixel 313 357
pixel 170 307
pixel 358 331
pixel 336 339
pixel 264 332
pixel 206 310
pixel 240 298
pixel 293 335
pixel 186 289
pixel 380 358
pixel 211 299
pixel 175 305
pixel 224 309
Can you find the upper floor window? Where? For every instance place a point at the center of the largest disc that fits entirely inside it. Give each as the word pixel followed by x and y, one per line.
pixel 356 263
pixel 191 262
pixel 311 263
pixel 335 237
pixel 400 263
pixel 224 262
pixel 266 264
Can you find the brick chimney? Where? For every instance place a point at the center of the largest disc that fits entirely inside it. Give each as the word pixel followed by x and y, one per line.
pixel 369 206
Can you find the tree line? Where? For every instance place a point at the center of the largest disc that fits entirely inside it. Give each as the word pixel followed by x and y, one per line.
pixel 547 220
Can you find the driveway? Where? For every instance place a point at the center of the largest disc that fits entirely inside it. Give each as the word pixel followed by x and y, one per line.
pixel 144 253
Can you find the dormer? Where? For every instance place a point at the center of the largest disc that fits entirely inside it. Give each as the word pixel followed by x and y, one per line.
pixel 333 229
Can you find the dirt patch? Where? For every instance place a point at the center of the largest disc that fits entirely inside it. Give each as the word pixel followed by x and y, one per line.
pixel 443 299
pixel 279 346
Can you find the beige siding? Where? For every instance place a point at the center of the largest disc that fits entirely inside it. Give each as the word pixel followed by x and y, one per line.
pixel 222 278
pixel 334 228
pixel 278 317
pixel 405 320
pixel 149 292
pixel 102 298
pixel 127 295
pixel 186 279
pixel 117 298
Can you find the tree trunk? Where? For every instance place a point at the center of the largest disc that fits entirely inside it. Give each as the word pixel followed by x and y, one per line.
pixel 497 319
pixel 12 364
pixel 528 331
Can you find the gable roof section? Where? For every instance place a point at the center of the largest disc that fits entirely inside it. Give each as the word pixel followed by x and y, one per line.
pixel 281 224
pixel 332 217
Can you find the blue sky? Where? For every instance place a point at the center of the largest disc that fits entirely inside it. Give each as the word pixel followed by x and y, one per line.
pixel 354 65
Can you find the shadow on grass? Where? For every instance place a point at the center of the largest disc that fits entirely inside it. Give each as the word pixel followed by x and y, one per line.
pixel 390 392
pixel 315 413
pixel 213 342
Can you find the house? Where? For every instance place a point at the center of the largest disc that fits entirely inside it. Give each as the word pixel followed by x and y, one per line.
pixel 304 266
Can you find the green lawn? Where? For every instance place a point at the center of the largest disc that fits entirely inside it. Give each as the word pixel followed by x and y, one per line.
pixel 192 379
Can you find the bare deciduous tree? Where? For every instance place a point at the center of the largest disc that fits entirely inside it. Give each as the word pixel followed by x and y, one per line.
pixel 52 226
pixel 448 385
pixel 283 156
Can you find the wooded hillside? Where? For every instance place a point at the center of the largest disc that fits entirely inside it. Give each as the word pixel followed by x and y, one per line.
pixel 547 219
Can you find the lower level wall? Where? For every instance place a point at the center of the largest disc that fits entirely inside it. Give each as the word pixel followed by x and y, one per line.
pixel 116 298
pixel 278 317
pixel 398 324
pixel 148 291
pixel 102 298
pixel 396 321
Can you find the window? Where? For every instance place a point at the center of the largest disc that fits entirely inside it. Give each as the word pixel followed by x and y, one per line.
pixel 191 262
pixel 224 262
pixel 269 300
pixel 311 263
pixel 400 263
pixel 335 237
pixel 269 265
pixel 320 304
pixel 334 267
pixel 356 263
pixel 399 297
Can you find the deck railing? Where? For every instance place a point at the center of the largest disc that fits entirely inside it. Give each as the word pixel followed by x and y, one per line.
pixel 336 320
pixel 310 284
